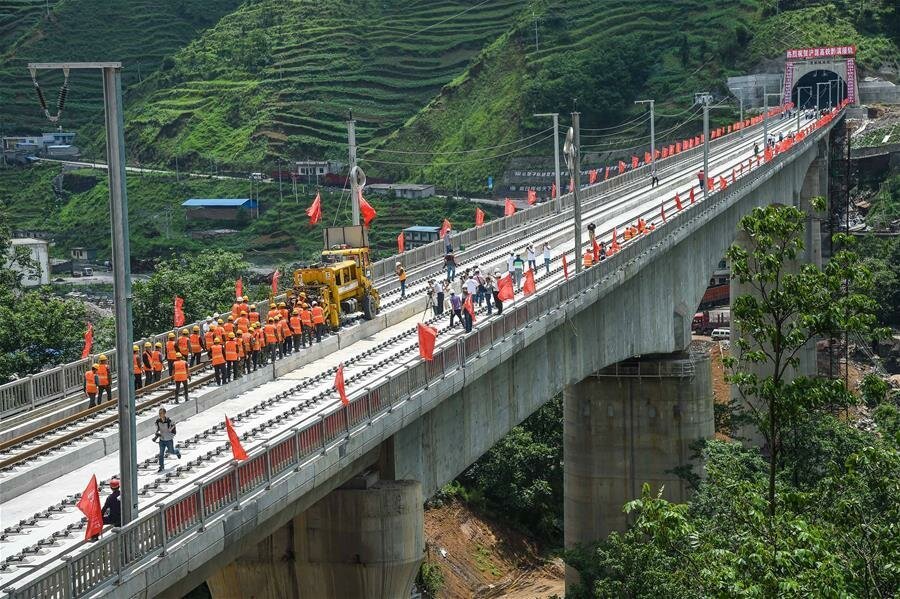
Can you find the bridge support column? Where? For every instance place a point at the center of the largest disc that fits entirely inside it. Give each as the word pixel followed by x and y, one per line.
pixel 363 540
pixel 628 424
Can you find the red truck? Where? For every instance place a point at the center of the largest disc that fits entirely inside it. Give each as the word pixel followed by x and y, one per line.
pixel 705 322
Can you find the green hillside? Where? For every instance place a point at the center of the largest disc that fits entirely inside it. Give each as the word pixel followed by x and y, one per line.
pixel 139 33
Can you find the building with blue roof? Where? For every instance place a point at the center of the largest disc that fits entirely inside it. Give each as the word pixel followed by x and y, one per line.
pixel 418 235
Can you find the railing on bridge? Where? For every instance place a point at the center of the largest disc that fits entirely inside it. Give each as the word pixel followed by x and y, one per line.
pixel 88 566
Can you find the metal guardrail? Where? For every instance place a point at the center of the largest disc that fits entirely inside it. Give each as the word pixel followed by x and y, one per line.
pixel 103 562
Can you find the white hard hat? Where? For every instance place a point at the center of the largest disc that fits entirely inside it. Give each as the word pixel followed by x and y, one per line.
pixel 209 318
pixel 398 264
pixel 215 315
pixel 315 303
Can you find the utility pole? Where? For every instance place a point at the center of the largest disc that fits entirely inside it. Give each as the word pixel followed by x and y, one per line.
pixel 555 116
pixel 354 190
pixel 534 18
pixel 121 262
pixel 573 159
pixel 652 129
pixel 705 98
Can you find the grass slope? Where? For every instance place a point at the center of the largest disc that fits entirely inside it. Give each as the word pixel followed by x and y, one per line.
pixel 139 33
pixel 278 79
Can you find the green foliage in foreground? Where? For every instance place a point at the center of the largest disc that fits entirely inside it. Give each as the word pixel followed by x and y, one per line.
pixel 430 578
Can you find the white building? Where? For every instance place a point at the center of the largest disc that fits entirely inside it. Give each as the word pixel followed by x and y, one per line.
pixel 318 168
pixel 40 253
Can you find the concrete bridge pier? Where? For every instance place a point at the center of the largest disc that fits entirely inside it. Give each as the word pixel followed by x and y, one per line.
pixel 630 423
pixel 365 539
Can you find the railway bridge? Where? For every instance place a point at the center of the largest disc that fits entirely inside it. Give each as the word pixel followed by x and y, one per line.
pixel 329 502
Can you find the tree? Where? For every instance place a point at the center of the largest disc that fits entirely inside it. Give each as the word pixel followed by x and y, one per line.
pixel 205 282
pixel 789 308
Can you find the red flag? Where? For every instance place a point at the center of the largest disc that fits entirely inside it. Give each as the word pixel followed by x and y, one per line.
pixel 427 337
pixel 89 504
pixel 596 250
pixel 662 210
pixel 565 265
pixel 88 341
pixel 634 162
pixel 237 449
pixel 239 288
pixel 722 183
pixel 275 276
pixel 711 183
pixel 401 243
pixel 469 306
pixel 606 174
pixel 677 201
pixel 179 311
pixel 592 176
pixel 621 167
pixel 553 190
pixel 508 208
pixel 665 152
pixel 505 288
pixel 368 213
pixel 314 212
pixel 692 195
pixel 528 287
pixel 479 217
pixel 532 197
pixel 678 147
pixel 339 384
pixel 446 226
pixel 646 157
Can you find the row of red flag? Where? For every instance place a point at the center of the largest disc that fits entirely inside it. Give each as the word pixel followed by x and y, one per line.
pixel 314 212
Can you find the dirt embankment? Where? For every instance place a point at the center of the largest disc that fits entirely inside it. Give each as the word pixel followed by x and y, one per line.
pixel 483 558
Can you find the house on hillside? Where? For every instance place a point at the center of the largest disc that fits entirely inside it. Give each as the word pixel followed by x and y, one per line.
pixel 410 191
pixel 415 236
pixel 311 171
pixel 55 144
pixel 224 209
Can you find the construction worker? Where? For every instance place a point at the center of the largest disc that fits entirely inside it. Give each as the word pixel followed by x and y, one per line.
pixel 588 258
pixel 104 379
pixel 196 343
pixel 171 350
pixel 220 328
pixel 287 336
pixel 318 318
pixel 401 276
pixel 156 361
pixel 296 329
pixel 283 311
pixel 259 342
pixel 242 323
pixel 236 308
pixel 271 339
pixel 217 357
pixel 273 310
pixel 247 345
pixel 229 326
pixel 231 357
pixel 245 306
pixel 147 362
pixel 184 342
pixel 181 374
pixel 307 324
pixel 208 340
pixel 253 315
pixel 641 225
pixel 92 384
pixel 136 369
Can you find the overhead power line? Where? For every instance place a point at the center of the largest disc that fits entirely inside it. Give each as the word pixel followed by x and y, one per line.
pixel 472 151
pixel 468 161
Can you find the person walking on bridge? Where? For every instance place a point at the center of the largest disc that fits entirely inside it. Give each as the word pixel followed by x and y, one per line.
pixel 296 329
pixel 701 178
pixel 307 324
pixel 401 276
pixel 182 375
pixel 547 257
pixel 105 377
pixel 92 384
pixel 165 436
pixel 654 176
pixel 318 318
pixel 196 345
pixel 450 265
pixel 455 307
pixel 438 298
pixel 147 363
pixel 217 358
pixel 156 361
pixel 171 350
pixel 532 258
pixel 518 269
pixel 137 369
pixel 231 358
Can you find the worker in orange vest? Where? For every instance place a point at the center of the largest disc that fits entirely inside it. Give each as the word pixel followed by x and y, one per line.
pixel 229 326
pixel 283 311
pixel 253 315
pixel 217 357
pixel 136 369
pixel 242 323
pixel 184 342
pixel 296 328
pixel 196 343
pixel 588 258
pixel 318 319
pixel 231 358
pixel 273 310
pixel 171 350
pixel 105 377
pixel 181 374
pixel 247 348
pixel 156 361
pixel 259 342
pixel 147 362
pixel 271 338
pixel 236 308
pixel 287 336
pixel 208 340
pixel 92 384
pixel 306 323
pixel 220 330
pixel 245 306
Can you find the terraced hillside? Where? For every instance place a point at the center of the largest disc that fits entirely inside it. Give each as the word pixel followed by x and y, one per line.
pixel 279 78
pixel 139 33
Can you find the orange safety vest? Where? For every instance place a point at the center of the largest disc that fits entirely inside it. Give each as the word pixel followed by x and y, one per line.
pixel 181 371
pixel 231 350
pixel 285 329
pixel 273 313
pixel 296 326
pixel 588 258
pixel 318 315
pixel 156 360
pixel 218 357
pixel 306 318
pixel 402 275
pixel 170 350
pixel 90 385
pixel 235 309
pixel 247 341
pixel 209 337
pixel 243 324
pixel 196 346
pixel 184 344
pixel 136 360
pixel 270 333
pixel 254 316
pixel 284 313
pixel 259 337
pixel 103 373
pixel 239 343
pixel 229 327
pixel 220 332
